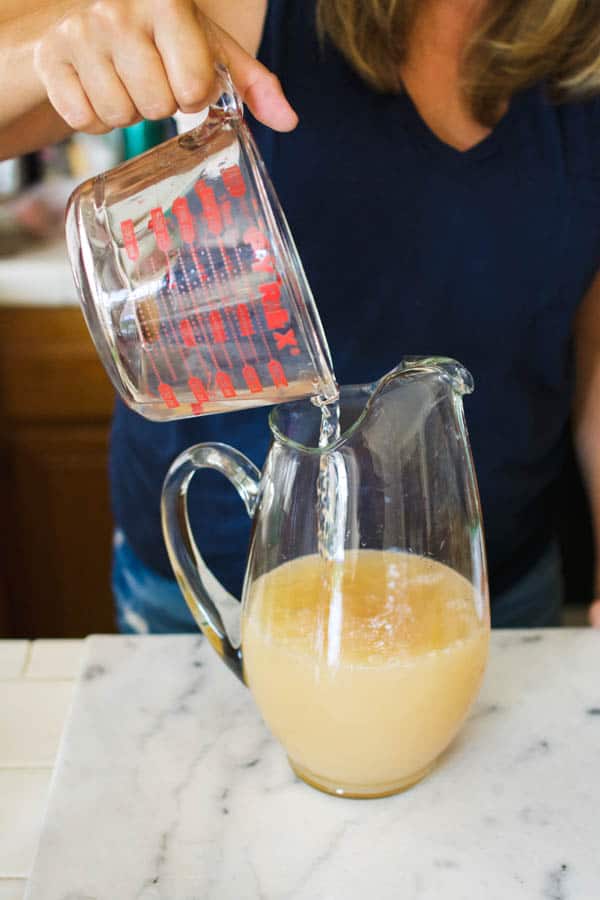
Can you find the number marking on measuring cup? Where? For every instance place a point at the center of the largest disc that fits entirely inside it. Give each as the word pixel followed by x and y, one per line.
pixel 252 380
pixel 226 385
pixel 277 373
pixel 160 228
pixel 213 243
pixel 244 320
pixel 168 395
pixel 130 240
pixel 210 207
pixel 187 333
pixel 234 181
pixel 185 220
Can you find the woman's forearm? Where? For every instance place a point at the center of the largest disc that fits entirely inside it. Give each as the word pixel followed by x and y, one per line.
pixel 109 63
pixel 37 128
pixel 587 406
pixel 587 442
pixel 21 26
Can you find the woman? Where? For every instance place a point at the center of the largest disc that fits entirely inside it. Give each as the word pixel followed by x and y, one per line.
pixel 443 187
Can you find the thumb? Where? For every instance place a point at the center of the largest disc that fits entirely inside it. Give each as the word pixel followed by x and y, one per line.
pixel 259 88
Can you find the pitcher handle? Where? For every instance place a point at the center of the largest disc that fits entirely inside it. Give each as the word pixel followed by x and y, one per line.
pixel 216 611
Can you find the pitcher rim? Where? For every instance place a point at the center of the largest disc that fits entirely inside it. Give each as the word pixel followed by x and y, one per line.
pixel 458 376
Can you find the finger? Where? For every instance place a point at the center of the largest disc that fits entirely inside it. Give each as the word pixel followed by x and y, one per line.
pixel 141 70
pixel 259 88
pixel 187 58
pixel 67 96
pixel 105 91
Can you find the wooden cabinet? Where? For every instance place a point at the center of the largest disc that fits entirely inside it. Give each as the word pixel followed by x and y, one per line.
pixel 55 409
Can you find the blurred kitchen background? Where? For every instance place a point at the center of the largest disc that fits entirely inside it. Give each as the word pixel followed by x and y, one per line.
pixel 55 400
pixel 56 403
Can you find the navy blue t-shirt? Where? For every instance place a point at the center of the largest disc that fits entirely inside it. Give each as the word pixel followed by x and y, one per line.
pixel 412 248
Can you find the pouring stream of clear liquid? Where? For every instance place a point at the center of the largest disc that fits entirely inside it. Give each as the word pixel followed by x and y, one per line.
pixel 331 488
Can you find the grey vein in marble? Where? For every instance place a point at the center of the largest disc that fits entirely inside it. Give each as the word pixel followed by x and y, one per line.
pixel 169 787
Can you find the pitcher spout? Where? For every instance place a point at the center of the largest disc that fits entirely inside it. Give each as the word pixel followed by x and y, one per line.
pixel 403 396
pixel 450 369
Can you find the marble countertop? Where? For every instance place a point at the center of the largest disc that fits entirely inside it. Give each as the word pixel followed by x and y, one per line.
pixel 169 787
pixel 37 276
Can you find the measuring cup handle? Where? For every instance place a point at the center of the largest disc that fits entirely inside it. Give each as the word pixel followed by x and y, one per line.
pixel 215 610
pixel 229 99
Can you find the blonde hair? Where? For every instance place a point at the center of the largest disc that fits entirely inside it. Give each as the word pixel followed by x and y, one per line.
pixel 517 43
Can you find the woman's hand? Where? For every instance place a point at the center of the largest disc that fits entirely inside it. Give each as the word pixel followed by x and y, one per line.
pixel 594 614
pixel 109 63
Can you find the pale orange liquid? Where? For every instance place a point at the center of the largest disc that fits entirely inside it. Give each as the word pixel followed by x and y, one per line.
pixel 364 670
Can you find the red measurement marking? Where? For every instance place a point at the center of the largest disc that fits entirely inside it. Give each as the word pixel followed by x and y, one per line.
pixel 206 345
pixel 256 238
pixel 185 220
pixel 245 208
pixel 148 354
pixel 226 213
pixel 217 327
pixel 158 223
pixel 187 333
pixel 215 316
pixel 225 385
pixel 199 267
pixel 264 263
pixel 244 320
pixel 209 300
pixel 234 181
pixel 275 314
pixel 195 314
pixel 210 207
pixel 130 240
pixel 252 380
pixel 162 326
pixel 277 374
pixel 288 339
pixel 263 254
pixel 226 304
pixel 205 340
pixel 168 395
pixel 198 390
pixel 226 260
pixel 244 324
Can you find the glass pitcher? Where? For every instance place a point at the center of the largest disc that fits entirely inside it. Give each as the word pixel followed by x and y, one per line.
pixel 365 613
pixel 189 279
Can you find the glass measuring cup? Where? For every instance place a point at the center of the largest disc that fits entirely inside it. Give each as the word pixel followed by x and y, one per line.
pixel 189 278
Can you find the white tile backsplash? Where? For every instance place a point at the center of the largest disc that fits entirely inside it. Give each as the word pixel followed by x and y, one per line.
pixel 36 684
pixel 12 888
pixel 32 716
pixel 13 658
pixel 54 659
pixel 24 793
